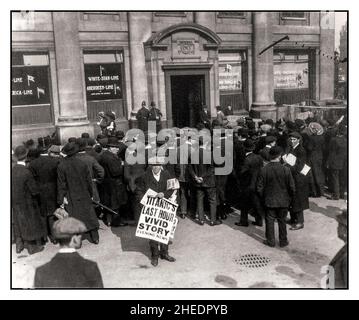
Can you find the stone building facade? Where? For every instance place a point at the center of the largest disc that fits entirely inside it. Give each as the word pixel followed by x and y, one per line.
pixel 68 66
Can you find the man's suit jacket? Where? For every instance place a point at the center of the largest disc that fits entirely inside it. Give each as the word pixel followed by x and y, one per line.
pixel 68 270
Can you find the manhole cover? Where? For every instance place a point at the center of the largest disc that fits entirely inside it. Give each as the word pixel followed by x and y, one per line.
pixel 252 261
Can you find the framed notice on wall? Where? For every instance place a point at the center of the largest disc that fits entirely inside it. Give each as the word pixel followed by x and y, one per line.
pixel 30 85
pixel 103 81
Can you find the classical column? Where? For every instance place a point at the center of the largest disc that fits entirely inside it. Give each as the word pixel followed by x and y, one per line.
pixel 327 41
pixel 206 19
pixel 263 79
pixel 139 28
pixel 72 120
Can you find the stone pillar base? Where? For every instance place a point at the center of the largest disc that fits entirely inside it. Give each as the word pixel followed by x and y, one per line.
pixel 73 129
pixel 267 111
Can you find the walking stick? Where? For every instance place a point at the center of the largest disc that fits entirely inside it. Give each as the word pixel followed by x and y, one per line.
pixel 104 207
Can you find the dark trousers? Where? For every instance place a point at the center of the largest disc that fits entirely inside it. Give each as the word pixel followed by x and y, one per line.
pixel 297 217
pixel 91 235
pixel 278 214
pixel 50 223
pixel 338 182
pixel 158 248
pixel 211 195
pixel 255 204
pixel 184 197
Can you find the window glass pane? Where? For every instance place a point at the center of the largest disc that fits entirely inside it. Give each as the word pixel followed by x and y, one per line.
pixel 293 14
pixel 230 71
pixel 231 14
pixel 291 74
pixel 36 59
pixel 100 57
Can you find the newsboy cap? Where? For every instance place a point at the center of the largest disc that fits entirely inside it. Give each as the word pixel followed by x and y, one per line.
pixel 20 153
pixel 295 134
pixel 67 227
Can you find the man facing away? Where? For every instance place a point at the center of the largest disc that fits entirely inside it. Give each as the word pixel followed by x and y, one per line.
pixel 67 269
pixel 276 187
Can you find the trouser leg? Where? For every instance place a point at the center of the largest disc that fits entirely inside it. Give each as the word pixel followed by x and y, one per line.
pixel 183 197
pixel 270 218
pixel 259 211
pixel 281 215
pixel 335 182
pixel 154 249
pixel 200 197
pixel 163 249
pixel 300 217
pixel 211 194
pixel 94 235
pixel 244 216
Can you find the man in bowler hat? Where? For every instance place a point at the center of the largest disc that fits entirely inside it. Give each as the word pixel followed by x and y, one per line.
pixel 67 269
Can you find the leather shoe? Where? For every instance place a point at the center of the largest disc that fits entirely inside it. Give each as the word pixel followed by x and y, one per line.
pixel 19 248
pixel 259 224
pixel 284 244
pixel 267 243
pixel 182 215
pixel 200 222
pixel 95 241
pixel 167 257
pixel 215 223
pixel 154 261
pixel 241 224
pixel 223 216
pixel 297 226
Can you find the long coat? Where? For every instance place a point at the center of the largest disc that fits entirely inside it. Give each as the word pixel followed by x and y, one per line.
pixel 74 182
pixel 28 224
pixel 44 169
pixel 113 190
pixel 68 270
pixel 337 156
pixel 248 179
pixel 300 198
pixel 96 171
pixel 201 170
pixel 142 119
pixel 315 149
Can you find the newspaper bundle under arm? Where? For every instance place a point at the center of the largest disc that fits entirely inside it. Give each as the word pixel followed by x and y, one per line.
pixel 290 159
pixel 305 170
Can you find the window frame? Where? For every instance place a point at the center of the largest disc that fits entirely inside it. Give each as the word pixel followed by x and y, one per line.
pixel 221 15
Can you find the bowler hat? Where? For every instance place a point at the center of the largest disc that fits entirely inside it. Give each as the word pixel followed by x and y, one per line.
pixel 153 104
pixel 67 227
pixel 111 115
pixel 270 139
pixel 82 143
pixel 85 135
pixel 20 152
pixel 249 145
pixel 275 152
pixel 70 149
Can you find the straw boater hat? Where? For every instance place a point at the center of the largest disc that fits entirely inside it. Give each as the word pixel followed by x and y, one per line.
pixel 315 128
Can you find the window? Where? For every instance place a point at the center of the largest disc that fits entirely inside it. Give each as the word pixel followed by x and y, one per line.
pixel 104 79
pixel 232 86
pixel 293 15
pixel 170 13
pixel 30 88
pixel 232 14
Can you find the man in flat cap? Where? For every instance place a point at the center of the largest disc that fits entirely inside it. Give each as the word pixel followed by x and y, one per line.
pixel 74 190
pixel 68 269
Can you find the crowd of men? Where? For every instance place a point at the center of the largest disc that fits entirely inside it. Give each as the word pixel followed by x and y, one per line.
pixel 277 166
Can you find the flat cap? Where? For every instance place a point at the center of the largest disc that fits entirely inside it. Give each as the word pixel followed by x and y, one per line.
pixel 67 227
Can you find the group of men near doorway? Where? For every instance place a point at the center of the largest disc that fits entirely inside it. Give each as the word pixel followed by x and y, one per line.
pixel 270 178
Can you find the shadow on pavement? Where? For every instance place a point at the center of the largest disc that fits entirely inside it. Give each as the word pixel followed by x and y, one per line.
pixel 328 211
pixel 129 241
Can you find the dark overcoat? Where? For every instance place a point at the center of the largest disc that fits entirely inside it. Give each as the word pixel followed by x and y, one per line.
pixel 142 119
pixel 113 190
pixel 74 182
pixel 27 221
pixel 300 198
pixel 315 149
pixel 248 179
pixel 68 270
pixel 338 153
pixel 275 185
pixel 96 171
pixel 44 169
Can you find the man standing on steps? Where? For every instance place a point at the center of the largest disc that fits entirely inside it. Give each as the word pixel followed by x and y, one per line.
pixel 142 117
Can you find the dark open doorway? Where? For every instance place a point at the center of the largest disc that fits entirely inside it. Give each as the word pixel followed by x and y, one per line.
pixel 187 97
